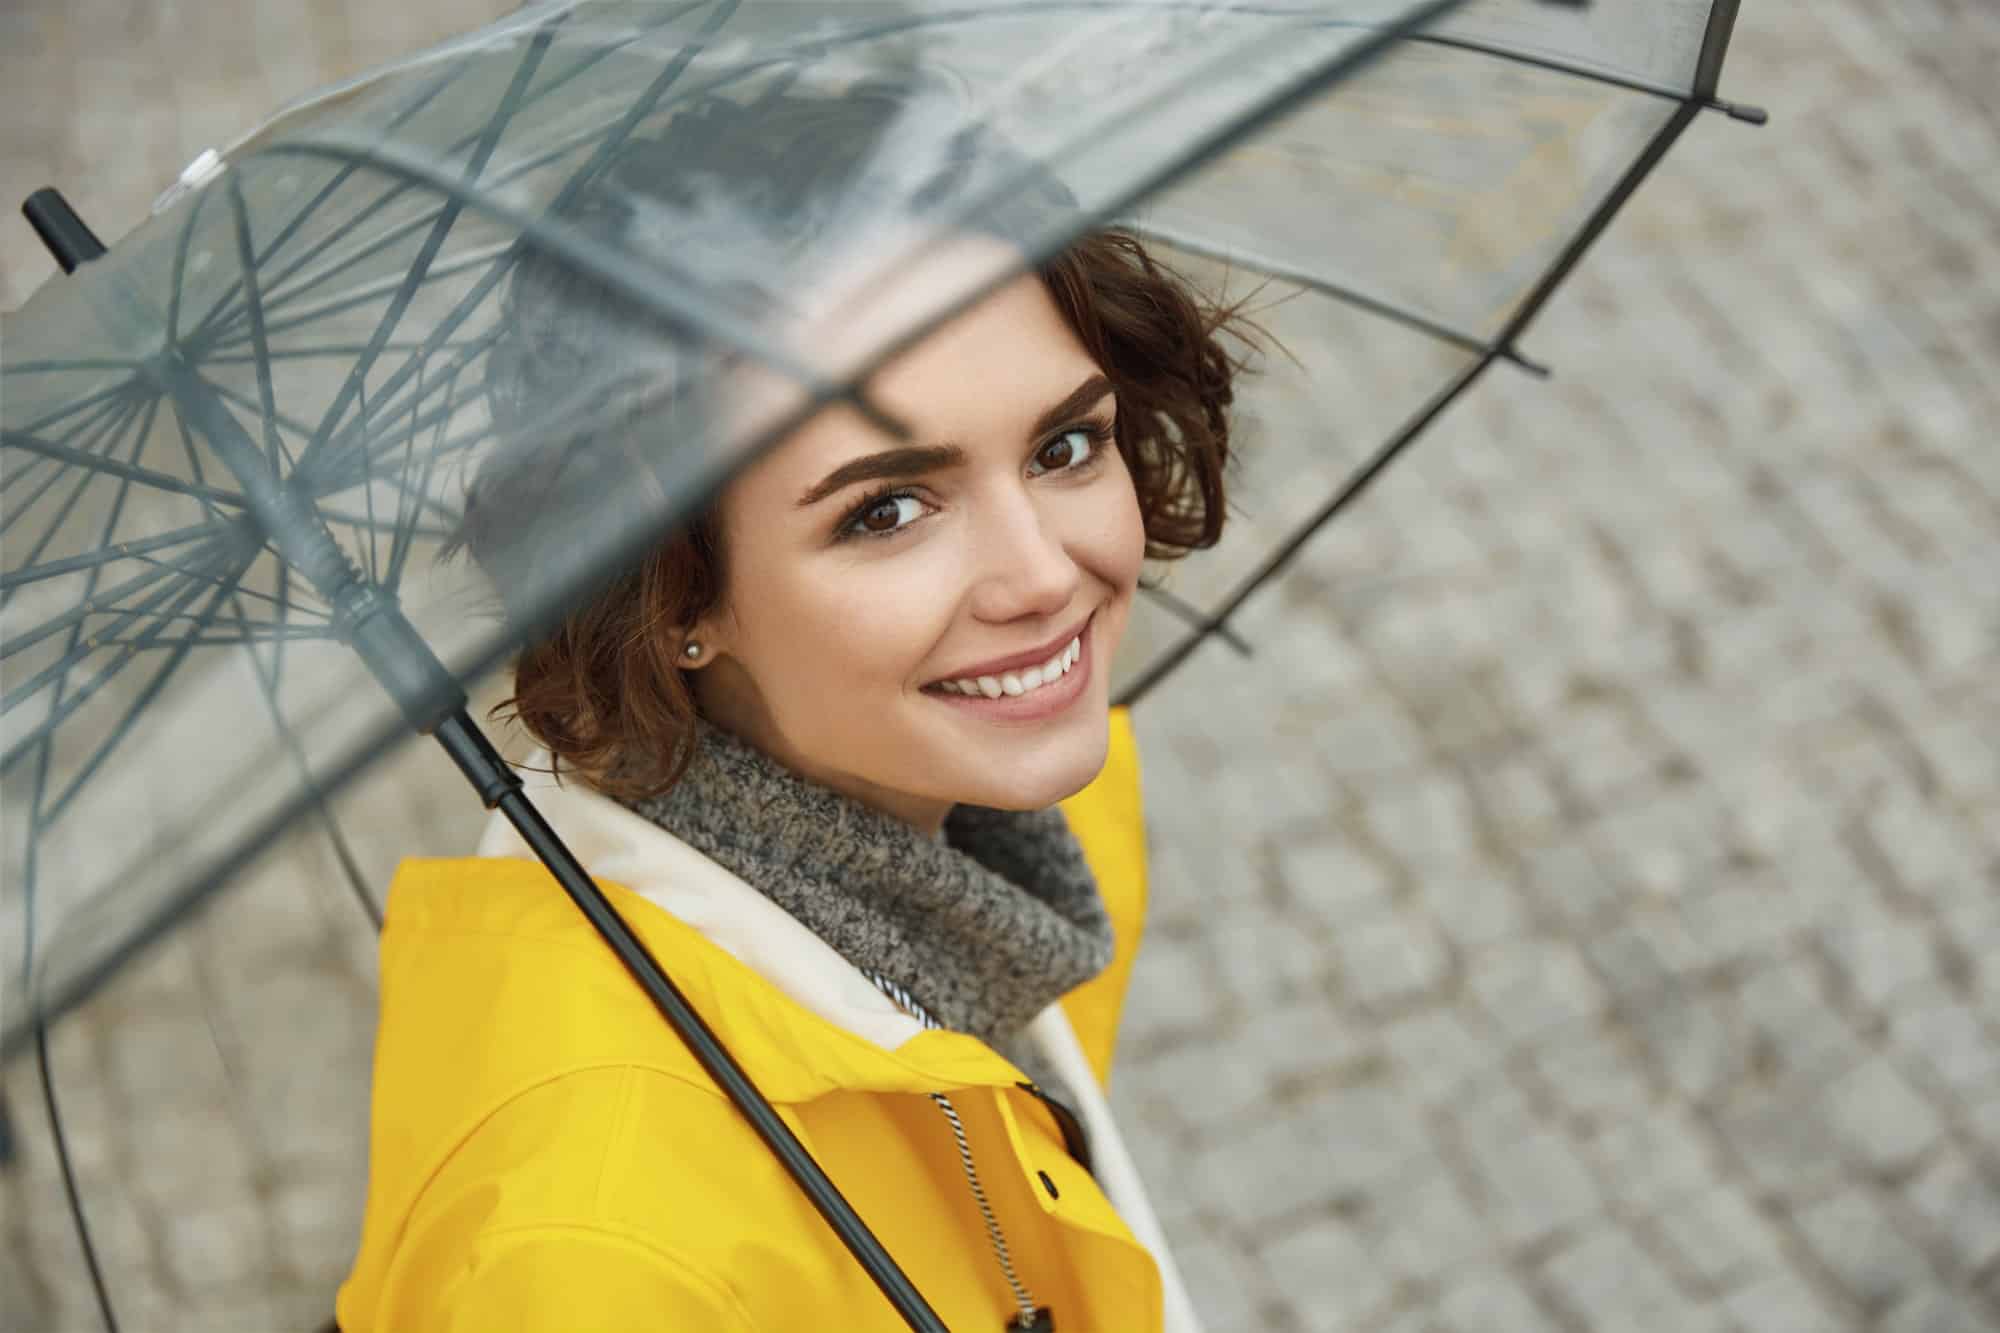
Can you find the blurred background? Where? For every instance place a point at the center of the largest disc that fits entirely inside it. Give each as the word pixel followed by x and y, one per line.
pixel 1580 915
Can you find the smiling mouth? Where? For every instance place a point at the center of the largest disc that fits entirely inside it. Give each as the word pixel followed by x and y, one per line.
pixel 1021 680
pixel 1052 678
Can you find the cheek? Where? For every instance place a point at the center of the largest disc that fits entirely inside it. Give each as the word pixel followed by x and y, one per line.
pixel 1117 534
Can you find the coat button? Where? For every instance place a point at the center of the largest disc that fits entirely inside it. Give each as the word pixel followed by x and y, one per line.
pixel 1049 1185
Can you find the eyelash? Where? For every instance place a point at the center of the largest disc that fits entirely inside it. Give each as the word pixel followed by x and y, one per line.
pixel 1099 433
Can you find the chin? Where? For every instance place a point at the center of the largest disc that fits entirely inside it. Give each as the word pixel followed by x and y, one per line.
pixel 1041 772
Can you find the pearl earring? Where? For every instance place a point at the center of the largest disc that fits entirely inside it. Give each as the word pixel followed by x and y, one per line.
pixel 692 650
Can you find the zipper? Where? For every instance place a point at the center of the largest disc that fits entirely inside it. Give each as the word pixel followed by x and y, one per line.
pixel 1030 1318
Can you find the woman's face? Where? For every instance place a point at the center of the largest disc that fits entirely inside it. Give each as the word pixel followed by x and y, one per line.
pixel 880 594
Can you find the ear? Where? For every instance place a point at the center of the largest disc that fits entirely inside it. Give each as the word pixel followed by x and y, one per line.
pixel 699 644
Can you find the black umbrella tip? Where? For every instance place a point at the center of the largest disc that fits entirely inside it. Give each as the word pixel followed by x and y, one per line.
pixel 61 230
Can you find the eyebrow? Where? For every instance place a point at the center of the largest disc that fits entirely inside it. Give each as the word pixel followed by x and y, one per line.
pixel 916 460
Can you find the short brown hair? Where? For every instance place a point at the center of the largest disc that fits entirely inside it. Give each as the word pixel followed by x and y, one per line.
pixel 603 690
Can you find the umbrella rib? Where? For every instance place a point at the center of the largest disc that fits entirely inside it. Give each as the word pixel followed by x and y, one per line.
pixel 79 405
pixel 551 85
pixel 145 423
pixel 1514 55
pixel 102 436
pixel 1190 614
pixel 177 596
pixel 158 480
pixel 267 684
pixel 667 297
pixel 253 300
pixel 78 649
pixel 106 554
pixel 284 234
pixel 510 104
pixel 1648 158
pixel 641 107
pixel 1199 151
pixel 260 632
pixel 96 603
pixel 405 536
pixel 1357 482
pixel 1346 295
pixel 96 417
pixel 70 363
pixel 147 693
pixel 242 400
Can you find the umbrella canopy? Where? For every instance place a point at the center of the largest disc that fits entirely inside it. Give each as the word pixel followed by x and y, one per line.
pixel 234 445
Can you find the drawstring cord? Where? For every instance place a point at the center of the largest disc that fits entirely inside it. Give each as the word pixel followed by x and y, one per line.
pixel 1030 1317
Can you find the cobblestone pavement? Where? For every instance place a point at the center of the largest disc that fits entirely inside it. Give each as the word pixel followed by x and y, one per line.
pixel 1580 916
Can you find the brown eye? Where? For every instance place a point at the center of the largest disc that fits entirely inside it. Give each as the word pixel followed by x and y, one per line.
pixel 884 517
pixel 1067 451
pixel 1056 454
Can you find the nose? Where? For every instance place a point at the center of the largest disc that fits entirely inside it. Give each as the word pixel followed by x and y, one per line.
pixel 1024 568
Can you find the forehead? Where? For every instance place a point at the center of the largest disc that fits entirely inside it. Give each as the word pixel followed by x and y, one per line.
pixel 997 363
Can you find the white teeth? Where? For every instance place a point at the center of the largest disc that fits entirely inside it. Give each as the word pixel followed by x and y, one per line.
pixel 1015 683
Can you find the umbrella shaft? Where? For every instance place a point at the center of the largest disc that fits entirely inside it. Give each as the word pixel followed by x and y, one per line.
pixel 498 785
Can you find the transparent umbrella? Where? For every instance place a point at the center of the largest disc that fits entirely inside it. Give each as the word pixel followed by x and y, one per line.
pixel 234 444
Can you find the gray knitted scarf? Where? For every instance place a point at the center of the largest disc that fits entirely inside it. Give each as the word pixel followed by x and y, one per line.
pixel 984 928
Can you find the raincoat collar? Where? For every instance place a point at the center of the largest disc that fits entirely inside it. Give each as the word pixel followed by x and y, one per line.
pixel 801 1019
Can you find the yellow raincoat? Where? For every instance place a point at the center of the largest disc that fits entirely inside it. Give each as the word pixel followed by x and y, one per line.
pixel 547 1155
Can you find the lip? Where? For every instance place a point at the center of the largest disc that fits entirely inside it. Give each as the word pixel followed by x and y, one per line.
pixel 996 666
pixel 1037 705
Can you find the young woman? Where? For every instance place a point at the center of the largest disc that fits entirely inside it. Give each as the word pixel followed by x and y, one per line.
pixel 841 753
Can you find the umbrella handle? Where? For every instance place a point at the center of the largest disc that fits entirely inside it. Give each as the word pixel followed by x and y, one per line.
pixel 66 235
pixel 499 786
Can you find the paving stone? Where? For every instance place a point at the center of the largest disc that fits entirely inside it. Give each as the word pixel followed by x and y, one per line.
pixel 1473 908
pixel 1423 1226
pixel 1862 1249
pixel 1269 1170
pixel 1934 1310
pixel 1593 1075
pixel 1721 1237
pixel 1960 1195
pixel 218 1248
pixel 1177 986
pixel 1335 882
pixel 1652 1158
pixel 1436 1052
pixel 1537 1185
pixel 1950 1039
pixel 1268 959
pixel 1536 989
pixel 1877 1114
pixel 1325 1276
pixel 1781 1299
pixel 1694 1044
pixel 1567 880
pixel 1389 961
pixel 1355 1137
pixel 1491 1300
pixel 1611 1282
pixel 1640 955
pixel 1780 1140
pixel 1803 1036
pixel 1227 1288
pixel 1427 824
